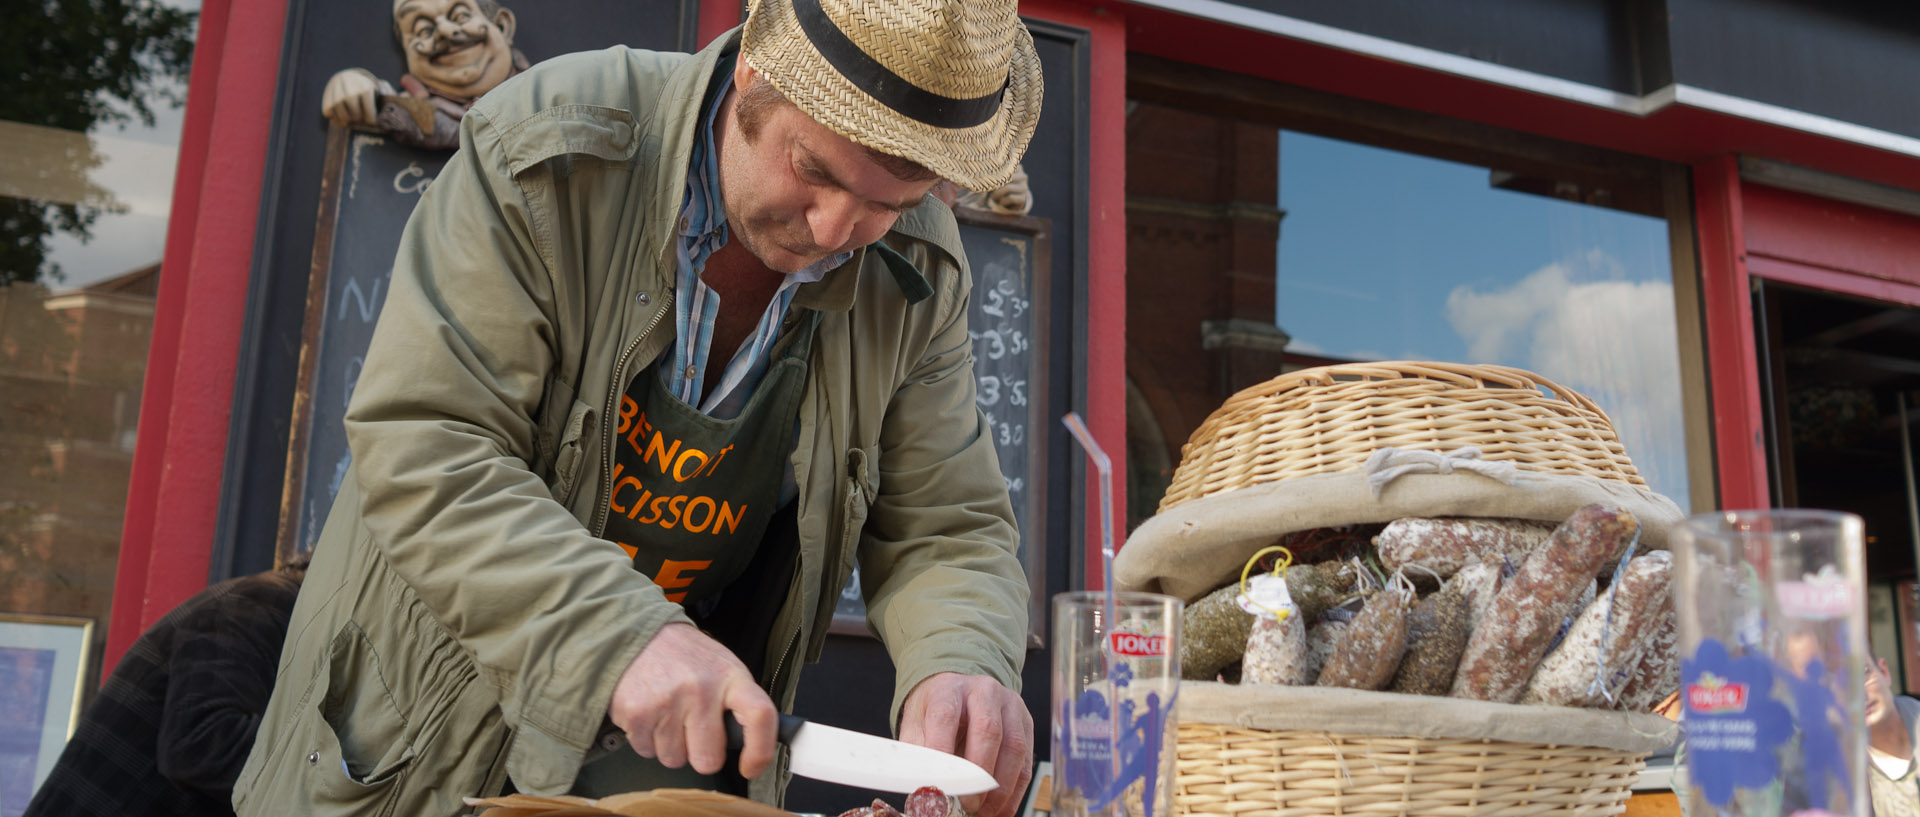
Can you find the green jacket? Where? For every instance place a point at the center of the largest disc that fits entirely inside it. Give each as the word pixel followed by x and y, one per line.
pixel 462 620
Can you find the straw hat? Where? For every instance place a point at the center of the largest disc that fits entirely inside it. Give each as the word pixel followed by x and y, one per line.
pixel 951 84
pixel 1373 442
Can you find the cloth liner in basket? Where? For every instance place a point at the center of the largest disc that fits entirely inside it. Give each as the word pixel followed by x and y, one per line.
pixel 1292 454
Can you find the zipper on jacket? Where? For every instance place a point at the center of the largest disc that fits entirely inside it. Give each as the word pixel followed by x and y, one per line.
pixel 606 425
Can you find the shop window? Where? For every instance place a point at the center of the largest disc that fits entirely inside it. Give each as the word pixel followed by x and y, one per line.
pixel 88 145
pixel 1255 248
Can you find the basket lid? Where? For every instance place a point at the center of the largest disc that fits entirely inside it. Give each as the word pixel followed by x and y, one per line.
pixel 1300 452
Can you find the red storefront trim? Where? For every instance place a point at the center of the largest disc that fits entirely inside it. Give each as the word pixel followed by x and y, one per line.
pixel 1675 133
pixel 172 496
pixel 1727 304
pixel 1106 255
pixel 1869 251
pixel 716 17
pixel 1832 280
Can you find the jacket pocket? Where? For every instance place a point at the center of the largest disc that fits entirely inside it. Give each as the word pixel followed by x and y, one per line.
pixel 859 486
pixel 570 454
pixel 357 749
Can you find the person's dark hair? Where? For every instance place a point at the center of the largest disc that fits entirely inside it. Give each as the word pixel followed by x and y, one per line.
pixel 488 9
pixel 760 99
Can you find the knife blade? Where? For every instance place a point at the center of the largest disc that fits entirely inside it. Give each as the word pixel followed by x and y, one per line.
pixel 865 761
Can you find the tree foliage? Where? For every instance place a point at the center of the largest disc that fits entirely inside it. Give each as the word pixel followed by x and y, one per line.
pixel 74 64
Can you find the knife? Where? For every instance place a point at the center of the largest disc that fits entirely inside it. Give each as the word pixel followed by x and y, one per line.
pixel 865 761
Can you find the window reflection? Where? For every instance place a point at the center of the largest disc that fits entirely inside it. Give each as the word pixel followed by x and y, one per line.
pixel 1347 252
pixel 87 162
pixel 1391 256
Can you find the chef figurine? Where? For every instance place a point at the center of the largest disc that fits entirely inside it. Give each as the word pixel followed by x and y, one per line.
pixel 456 50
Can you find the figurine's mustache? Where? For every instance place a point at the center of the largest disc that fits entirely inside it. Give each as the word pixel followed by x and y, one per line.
pixel 442 44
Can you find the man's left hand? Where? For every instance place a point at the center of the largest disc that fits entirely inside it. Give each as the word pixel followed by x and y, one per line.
pixel 977 718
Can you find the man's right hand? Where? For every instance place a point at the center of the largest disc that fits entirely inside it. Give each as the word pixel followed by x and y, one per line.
pixel 670 701
pixel 351 98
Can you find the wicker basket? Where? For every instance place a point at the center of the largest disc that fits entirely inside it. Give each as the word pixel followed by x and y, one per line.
pixel 1292 454
pixel 1332 418
pixel 1224 766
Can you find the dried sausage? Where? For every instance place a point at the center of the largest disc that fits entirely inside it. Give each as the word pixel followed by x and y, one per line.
pixel 1277 652
pixel 1505 648
pixel 1213 634
pixel 1370 653
pixel 1608 639
pixel 929 801
pixel 1478 583
pixel 1657 674
pixel 1444 545
pixel 1321 639
pixel 1317 587
pixel 1436 633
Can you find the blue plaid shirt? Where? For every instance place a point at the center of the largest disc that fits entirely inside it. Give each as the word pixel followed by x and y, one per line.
pixel 703 231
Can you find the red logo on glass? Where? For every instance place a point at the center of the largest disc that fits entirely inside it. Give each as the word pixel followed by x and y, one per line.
pixel 1713 695
pixel 1134 645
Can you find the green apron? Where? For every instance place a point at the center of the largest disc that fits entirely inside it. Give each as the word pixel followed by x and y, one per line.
pixel 692 499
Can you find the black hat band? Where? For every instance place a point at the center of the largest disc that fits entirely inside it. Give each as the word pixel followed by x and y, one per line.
pixel 889 88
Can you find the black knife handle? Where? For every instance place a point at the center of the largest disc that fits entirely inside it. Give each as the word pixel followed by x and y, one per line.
pixel 737 737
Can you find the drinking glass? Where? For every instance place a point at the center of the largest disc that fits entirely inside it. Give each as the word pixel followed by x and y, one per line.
pixel 1115 681
pixel 1771 608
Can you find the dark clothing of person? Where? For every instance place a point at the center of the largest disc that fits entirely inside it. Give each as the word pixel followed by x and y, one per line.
pixel 171 728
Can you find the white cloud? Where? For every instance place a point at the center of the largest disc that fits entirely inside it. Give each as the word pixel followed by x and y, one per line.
pixel 1301 347
pixel 1581 323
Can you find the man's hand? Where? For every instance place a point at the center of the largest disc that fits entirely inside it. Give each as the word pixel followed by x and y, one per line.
pixel 973 716
pixel 671 698
pixel 351 98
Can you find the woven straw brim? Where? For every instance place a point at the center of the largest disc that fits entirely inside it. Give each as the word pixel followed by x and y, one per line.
pixel 979 158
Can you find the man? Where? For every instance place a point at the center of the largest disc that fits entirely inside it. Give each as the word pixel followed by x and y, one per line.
pixel 670 343
pixel 1892 777
pixel 173 723
pixel 456 50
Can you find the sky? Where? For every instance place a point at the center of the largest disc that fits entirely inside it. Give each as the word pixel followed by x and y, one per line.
pixel 1390 256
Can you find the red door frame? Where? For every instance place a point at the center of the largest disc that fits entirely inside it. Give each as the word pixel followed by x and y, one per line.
pixel 173 495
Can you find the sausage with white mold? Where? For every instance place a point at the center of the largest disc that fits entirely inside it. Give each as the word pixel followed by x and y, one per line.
pixel 1504 650
pixel 1445 545
pixel 1602 650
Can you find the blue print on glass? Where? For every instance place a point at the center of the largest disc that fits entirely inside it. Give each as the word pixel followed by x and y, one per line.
pixel 1734 726
pixel 1821 722
pixel 1090 767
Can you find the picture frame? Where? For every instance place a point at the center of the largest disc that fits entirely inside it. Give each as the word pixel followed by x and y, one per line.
pixel 1009 256
pixel 43 679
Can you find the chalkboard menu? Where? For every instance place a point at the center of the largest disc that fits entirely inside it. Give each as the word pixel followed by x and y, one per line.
pixel 369 188
pixel 1008 256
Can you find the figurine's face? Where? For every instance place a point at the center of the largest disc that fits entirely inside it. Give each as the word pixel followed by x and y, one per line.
pixel 454 46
